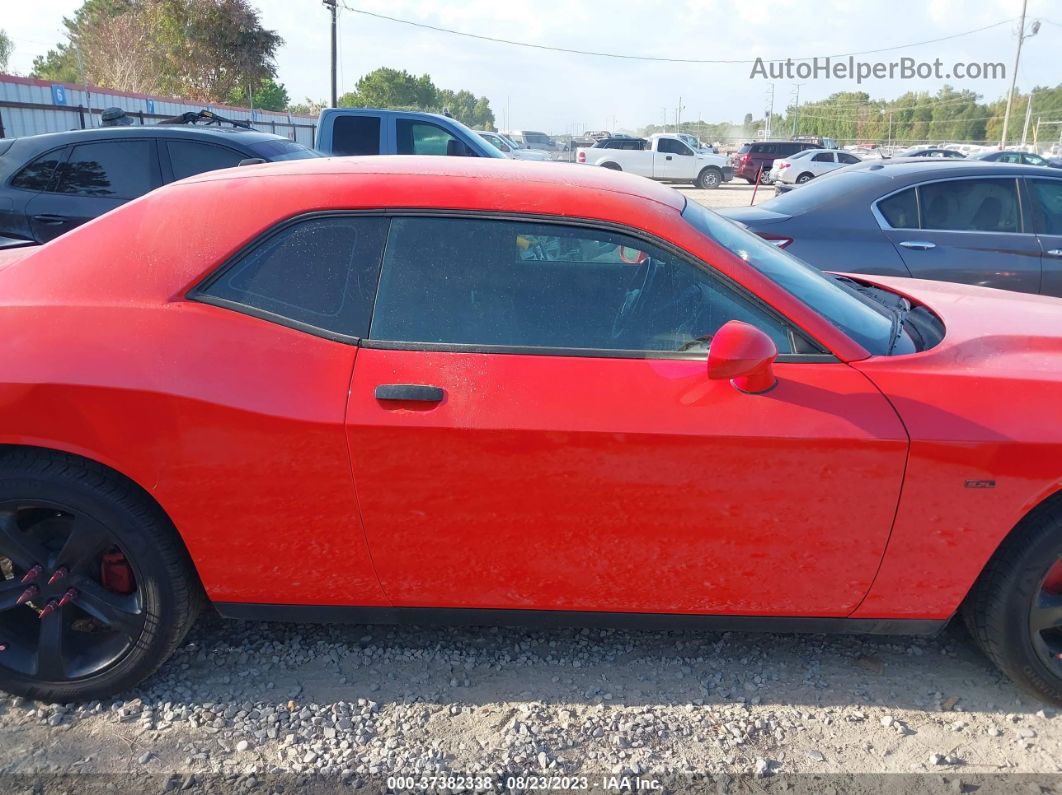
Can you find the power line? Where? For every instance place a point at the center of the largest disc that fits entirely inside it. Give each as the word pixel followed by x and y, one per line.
pixel 624 56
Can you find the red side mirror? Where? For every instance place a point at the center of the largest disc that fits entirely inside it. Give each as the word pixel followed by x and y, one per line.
pixel 744 355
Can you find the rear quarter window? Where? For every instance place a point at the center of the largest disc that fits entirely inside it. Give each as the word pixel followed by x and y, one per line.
pixel 39 173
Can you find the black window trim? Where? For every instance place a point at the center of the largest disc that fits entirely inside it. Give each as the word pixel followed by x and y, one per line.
pixel 197 292
pixel 1036 215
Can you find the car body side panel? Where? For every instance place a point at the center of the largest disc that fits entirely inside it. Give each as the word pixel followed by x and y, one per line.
pixel 1007 261
pixel 841 247
pixel 233 424
pixel 985 448
pixel 584 483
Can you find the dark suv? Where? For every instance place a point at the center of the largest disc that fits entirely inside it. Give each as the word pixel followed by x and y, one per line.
pixel 53 182
pixel 755 159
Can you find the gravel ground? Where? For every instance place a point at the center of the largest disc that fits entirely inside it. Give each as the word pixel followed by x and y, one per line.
pixel 246 699
pixel 249 706
pixel 737 193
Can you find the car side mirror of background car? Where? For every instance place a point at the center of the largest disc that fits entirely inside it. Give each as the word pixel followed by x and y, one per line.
pixel 744 355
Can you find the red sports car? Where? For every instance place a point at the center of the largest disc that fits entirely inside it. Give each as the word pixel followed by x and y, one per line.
pixel 414 389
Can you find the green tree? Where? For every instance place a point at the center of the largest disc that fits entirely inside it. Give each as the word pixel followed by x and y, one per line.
pixel 198 49
pixel 309 107
pixel 398 89
pixel 268 95
pixel 391 88
pixel 6 48
pixel 61 64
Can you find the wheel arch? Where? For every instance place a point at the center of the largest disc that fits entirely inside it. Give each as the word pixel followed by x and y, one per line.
pixel 8 449
pixel 609 164
pixel 1049 502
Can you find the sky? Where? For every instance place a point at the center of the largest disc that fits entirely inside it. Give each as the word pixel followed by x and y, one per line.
pixel 556 92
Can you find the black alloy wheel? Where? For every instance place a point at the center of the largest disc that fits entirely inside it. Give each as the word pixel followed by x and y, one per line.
pixel 70 606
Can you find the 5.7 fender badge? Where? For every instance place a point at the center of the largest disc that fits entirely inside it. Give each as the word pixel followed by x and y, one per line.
pixel 980 484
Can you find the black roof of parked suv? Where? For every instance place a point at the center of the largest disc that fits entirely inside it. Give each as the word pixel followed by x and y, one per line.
pixel 53 182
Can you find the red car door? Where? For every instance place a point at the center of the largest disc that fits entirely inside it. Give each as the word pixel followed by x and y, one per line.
pixel 531 426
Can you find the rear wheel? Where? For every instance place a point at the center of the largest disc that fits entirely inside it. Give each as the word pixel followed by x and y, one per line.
pixel 96 590
pixel 1015 610
pixel 805 177
pixel 765 176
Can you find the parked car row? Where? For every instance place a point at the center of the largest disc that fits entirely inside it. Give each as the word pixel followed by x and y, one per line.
pixel 969 221
pixel 51 183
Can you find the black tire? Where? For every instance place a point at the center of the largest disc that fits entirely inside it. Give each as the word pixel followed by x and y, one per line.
pixel 1001 608
pixel 765 176
pixel 750 181
pixel 611 166
pixel 154 613
pixel 710 178
pixel 805 177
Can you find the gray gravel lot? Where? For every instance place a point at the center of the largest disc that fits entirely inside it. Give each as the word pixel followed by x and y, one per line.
pixel 242 702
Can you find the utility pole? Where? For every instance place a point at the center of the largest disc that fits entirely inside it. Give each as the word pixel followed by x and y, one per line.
pixel 1014 75
pixel 1028 115
pixel 770 115
pixel 796 112
pixel 331 6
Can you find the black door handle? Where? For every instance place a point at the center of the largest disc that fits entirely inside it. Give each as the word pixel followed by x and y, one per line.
pixel 668 157
pixel 421 392
pixel 50 220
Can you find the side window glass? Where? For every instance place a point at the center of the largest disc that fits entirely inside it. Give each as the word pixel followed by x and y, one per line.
pixel 423 138
pixel 900 209
pixel 525 284
pixel 1047 201
pixel 356 135
pixel 191 157
pixel 39 173
pixel 823 157
pixel 112 169
pixel 320 271
pixel 968 205
pixel 847 159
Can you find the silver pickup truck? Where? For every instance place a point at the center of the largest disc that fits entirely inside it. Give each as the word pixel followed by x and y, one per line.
pixel 665 157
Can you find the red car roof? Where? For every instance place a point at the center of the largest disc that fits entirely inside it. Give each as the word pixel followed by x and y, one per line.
pixel 507 177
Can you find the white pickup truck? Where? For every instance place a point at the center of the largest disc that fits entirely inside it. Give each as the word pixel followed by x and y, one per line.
pixel 665 157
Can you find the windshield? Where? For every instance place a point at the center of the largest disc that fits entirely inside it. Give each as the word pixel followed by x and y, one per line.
pixel 283 150
pixel 861 318
pixel 472 135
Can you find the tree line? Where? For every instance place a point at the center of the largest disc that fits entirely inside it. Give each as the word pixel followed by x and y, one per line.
pixel 214 51
pixel 914 117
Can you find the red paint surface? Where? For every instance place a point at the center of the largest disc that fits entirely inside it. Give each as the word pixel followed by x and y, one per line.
pixel 547 482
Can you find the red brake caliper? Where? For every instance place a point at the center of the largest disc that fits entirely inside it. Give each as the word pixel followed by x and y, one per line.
pixel 115 573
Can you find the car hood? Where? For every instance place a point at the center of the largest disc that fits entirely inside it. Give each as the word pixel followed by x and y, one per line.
pixel 986 329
